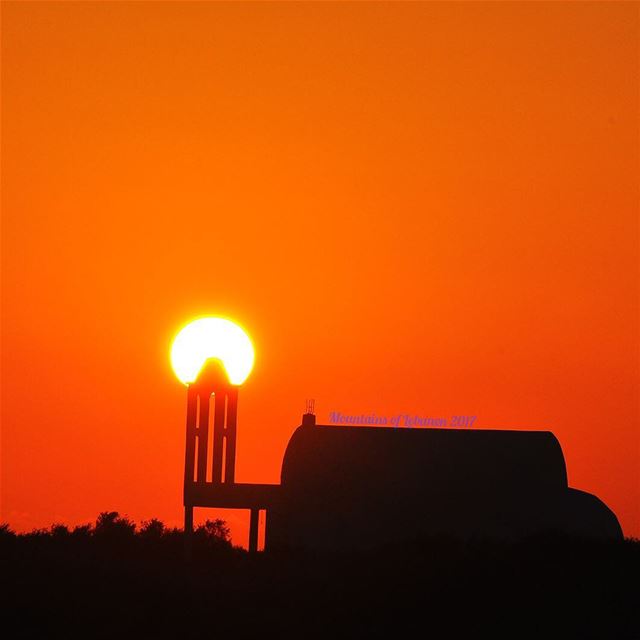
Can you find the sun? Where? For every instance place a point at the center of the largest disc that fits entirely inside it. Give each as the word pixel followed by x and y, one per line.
pixel 212 337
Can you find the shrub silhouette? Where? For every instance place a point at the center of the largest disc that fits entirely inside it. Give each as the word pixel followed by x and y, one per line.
pixel 152 529
pixel 110 524
pixel 214 530
pixel 83 531
pixel 113 579
pixel 59 531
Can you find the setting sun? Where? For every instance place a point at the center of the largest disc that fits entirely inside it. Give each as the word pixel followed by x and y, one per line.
pixel 212 337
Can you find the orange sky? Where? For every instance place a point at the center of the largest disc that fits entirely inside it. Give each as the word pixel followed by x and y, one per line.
pixel 418 208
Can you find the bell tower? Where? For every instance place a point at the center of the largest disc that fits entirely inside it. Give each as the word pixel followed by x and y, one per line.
pixel 212 408
pixel 213 356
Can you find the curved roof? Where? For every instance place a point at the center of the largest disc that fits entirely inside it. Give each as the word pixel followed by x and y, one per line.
pixel 428 460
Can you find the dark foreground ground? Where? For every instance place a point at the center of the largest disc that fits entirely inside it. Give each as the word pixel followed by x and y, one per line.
pixel 111 581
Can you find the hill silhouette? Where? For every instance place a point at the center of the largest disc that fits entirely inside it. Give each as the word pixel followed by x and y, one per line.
pixel 113 579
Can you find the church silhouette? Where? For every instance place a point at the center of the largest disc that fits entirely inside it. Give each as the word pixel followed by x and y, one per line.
pixel 346 488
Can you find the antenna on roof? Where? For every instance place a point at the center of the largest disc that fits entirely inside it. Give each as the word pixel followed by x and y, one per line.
pixel 309 416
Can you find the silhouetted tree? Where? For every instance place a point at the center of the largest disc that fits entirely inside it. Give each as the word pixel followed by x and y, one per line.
pixel 59 531
pixel 84 531
pixel 112 527
pixel 216 529
pixel 153 529
pixel 213 533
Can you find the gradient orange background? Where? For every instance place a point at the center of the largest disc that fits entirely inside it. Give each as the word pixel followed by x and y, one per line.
pixel 418 208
